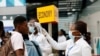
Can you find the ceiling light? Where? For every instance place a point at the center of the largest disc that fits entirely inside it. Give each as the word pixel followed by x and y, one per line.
pixel 4 17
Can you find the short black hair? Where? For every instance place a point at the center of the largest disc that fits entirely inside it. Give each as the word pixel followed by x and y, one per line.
pixel 2 29
pixel 1 25
pixel 81 27
pixel 63 32
pixel 31 18
pixel 19 20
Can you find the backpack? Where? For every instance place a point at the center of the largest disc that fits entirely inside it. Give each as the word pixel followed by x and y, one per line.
pixel 32 48
pixel 7 50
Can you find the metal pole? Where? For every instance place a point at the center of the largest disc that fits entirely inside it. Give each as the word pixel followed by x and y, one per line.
pixel 50 28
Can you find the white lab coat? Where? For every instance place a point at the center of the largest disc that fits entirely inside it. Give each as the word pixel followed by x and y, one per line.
pixel 79 48
pixel 61 38
pixel 44 45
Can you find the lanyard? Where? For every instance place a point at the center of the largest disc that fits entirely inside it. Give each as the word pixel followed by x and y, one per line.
pixel 69 50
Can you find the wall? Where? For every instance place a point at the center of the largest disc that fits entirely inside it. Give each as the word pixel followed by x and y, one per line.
pixel 91 15
pixel 64 22
pixel 12 10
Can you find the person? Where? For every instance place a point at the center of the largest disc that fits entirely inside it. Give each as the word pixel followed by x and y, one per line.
pixel 61 38
pixel 31 23
pixel 89 38
pixel 76 46
pixel 82 28
pixel 2 33
pixel 3 37
pixel 33 48
pixel 17 39
pixel 37 36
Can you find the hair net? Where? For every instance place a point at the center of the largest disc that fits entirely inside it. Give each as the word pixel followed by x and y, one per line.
pixel 38 26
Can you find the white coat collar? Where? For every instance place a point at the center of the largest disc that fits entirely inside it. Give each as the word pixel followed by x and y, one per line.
pixel 78 41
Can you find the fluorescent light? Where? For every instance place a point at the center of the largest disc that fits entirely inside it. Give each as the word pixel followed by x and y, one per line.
pixel 11 18
pixel 92 0
pixel 4 17
pixel 73 9
pixel 69 13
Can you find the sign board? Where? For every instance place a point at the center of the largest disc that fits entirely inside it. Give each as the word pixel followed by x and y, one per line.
pixel 47 14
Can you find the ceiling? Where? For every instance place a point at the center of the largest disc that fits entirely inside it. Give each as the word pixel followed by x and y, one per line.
pixel 43 1
pixel 63 5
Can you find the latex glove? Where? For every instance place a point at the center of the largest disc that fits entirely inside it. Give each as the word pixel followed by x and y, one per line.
pixel 44 32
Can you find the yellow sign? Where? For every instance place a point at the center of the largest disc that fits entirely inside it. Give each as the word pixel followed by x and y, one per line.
pixel 47 14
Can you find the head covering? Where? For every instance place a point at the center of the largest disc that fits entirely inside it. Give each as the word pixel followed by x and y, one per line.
pixel 38 26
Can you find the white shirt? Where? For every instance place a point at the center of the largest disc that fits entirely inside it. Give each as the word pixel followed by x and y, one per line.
pixel 17 42
pixel 42 41
pixel 80 48
pixel 61 38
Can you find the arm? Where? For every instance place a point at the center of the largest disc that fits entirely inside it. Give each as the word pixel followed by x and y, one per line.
pixel 61 39
pixel 43 43
pixel 54 44
pixel 86 51
pixel 46 49
pixel 18 44
pixel 46 46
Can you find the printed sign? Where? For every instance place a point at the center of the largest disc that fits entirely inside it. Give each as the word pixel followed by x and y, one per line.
pixel 47 14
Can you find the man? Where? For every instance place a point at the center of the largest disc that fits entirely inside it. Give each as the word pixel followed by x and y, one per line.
pixel 17 40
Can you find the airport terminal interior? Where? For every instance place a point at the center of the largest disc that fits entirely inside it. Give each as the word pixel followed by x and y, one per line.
pixel 64 12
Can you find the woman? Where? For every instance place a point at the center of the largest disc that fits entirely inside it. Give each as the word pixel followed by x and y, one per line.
pixel 76 46
pixel 40 39
pixel 82 28
pixel 2 34
pixel 61 38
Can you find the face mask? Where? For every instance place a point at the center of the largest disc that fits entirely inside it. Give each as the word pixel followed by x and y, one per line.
pixel 31 29
pixel 70 35
pixel 73 37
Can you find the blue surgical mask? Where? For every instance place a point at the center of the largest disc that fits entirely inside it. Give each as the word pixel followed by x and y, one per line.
pixel 31 29
pixel 70 35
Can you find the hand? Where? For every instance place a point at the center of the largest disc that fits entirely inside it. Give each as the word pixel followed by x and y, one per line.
pixel 44 32
pixel 36 24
